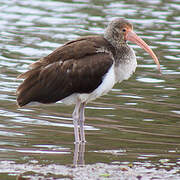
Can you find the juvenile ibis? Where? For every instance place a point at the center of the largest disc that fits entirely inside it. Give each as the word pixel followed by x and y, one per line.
pixel 83 70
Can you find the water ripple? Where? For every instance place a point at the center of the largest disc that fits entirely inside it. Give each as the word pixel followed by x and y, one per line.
pixel 138 120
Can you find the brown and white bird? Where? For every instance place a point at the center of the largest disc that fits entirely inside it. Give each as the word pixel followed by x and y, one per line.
pixel 83 70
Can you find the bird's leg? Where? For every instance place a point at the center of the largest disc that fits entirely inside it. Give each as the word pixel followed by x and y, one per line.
pixel 79 150
pixel 81 154
pixel 76 116
pixel 81 122
pixel 76 154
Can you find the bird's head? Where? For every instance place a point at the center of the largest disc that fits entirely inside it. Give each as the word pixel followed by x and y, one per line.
pixel 120 30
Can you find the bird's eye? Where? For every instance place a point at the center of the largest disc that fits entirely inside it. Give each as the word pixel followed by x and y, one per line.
pixel 123 30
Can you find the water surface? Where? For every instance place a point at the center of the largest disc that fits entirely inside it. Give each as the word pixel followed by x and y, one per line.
pixel 137 123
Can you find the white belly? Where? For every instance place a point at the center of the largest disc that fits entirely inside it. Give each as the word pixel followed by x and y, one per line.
pixel 107 84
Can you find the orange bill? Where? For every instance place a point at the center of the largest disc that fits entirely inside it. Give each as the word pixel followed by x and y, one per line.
pixel 132 36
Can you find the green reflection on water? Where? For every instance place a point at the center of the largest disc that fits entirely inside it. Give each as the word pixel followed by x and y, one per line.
pixel 140 116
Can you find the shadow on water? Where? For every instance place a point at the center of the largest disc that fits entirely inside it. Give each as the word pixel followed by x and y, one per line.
pixel 133 132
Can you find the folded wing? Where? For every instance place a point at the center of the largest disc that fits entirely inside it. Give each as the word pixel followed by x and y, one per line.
pixel 65 72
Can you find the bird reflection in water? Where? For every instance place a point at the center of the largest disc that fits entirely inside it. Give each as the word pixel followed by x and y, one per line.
pixel 79 149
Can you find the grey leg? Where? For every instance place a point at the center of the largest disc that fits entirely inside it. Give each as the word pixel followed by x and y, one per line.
pixel 79 150
pixel 81 122
pixel 81 154
pixel 76 116
pixel 76 154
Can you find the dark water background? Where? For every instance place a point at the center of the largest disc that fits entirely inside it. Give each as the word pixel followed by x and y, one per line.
pixel 138 122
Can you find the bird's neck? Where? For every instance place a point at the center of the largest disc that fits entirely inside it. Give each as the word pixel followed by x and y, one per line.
pixel 116 42
pixel 124 54
pixel 125 62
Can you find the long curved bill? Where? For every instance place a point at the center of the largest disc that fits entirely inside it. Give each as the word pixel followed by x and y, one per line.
pixel 132 36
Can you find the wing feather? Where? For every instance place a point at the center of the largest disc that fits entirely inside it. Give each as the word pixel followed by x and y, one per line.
pixel 52 80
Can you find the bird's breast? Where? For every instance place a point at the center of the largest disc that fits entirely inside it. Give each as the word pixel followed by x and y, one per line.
pixel 125 66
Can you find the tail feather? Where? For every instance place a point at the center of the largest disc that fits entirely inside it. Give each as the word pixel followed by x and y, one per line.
pixel 35 89
pixel 27 91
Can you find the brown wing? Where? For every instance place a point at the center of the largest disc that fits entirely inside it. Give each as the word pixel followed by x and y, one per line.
pixel 76 49
pixel 52 80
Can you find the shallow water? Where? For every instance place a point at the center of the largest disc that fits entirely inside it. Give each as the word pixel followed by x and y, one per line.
pixel 138 122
